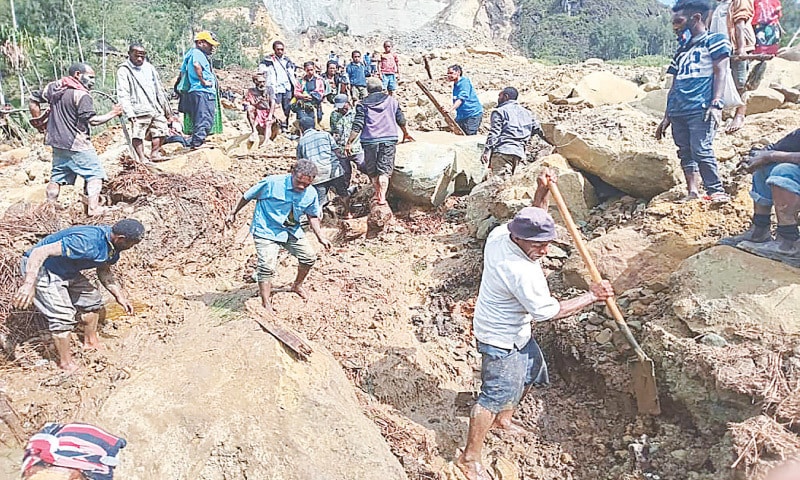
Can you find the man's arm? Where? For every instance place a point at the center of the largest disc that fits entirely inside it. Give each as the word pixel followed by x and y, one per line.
pixel 198 70
pixel 665 122
pixel 24 296
pixel 397 64
pixel 495 128
pixel 598 292
pixel 741 14
pixel 115 112
pixel 232 216
pixel 541 198
pixel 109 280
pixel 315 227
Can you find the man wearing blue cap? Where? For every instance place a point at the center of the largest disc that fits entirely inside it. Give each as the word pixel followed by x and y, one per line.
pixel 514 293
pixel 54 282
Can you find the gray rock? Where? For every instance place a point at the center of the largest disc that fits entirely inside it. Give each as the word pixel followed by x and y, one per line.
pixel 604 336
pixel 713 340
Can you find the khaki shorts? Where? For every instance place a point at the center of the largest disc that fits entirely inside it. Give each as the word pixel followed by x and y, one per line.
pixel 502 163
pixel 267 253
pixel 146 128
pixel 60 299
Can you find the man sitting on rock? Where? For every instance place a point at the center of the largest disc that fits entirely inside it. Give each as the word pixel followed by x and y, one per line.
pixel 55 284
pixel 514 293
pixel 333 172
pixel 511 128
pixel 776 182
pixel 376 121
pixel 280 202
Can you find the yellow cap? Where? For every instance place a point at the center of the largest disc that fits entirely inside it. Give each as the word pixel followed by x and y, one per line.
pixel 208 37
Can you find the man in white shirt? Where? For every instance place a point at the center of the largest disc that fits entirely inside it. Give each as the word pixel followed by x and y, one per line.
pixel 514 293
pixel 143 101
pixel 280 73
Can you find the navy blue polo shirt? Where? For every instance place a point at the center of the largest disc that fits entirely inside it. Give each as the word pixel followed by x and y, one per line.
pixel 82 248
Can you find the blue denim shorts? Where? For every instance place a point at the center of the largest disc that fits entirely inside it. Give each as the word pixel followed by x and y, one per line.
pixel 390 82
pixel 783 175
pixel 68 165
pixel 506 373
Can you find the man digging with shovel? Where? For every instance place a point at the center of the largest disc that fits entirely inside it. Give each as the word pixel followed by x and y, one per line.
pixel 514 293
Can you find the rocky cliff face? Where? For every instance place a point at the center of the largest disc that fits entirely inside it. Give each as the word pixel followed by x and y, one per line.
pixel 494 17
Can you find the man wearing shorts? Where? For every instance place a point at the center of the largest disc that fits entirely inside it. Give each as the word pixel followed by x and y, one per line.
pixel 280 202
pixel 54 282
pixel 333 171
pixel 389 68
pixel 514 293
pixel 376 121
pixel 141 95
pixel 71 114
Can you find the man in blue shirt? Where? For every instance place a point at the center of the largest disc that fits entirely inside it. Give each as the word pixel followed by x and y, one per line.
pixel 200 102
pixel 467 107
pixel 58 289
pixel 280 202
pixel 694 102
pixel 357 72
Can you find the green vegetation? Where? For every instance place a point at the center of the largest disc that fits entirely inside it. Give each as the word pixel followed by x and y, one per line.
pixel 46 35
pixel 567 31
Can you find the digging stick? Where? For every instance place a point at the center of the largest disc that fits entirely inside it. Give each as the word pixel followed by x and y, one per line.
pixel 642 369
pixel 123 122
pixel 447 118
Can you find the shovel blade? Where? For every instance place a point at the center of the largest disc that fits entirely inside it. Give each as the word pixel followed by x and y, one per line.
pixel 644 386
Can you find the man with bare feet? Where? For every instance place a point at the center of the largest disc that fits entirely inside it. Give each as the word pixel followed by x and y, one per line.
pixel 514 293
pixel 71 114
pixel 280 202
pixel 376 121
pixel 54 282
pixel 776 183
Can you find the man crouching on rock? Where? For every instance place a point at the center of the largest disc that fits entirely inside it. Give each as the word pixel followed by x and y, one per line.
pixel 514 293
pixel 55 284
pixel 280 202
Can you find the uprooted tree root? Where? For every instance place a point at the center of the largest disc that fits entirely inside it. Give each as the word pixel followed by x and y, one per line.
pixel 762 438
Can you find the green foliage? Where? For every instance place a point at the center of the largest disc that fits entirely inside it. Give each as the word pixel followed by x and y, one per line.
pixel 608 29
pixel 237 35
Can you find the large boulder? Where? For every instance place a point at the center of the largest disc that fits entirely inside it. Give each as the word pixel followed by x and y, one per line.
pixel 629 258
pixel 241 406
pixel 783 72
pixel 435 166
pixel 728 291
pixel 616 143
pixel 605 88
pixel 653 103
pixel 763 100
pixel 499 199
pixel 202 159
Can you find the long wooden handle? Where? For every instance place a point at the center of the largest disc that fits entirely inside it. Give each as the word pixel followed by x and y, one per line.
pixel 593 271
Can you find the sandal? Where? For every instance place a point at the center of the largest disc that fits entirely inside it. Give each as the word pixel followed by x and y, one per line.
pixel 718 197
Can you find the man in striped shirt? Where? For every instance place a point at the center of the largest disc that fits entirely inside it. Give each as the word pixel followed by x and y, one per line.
pixel 694 103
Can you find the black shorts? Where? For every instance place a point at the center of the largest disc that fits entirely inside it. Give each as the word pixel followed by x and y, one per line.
pixel 379 158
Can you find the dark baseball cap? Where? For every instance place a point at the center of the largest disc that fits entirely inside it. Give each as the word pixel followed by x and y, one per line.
pixel 533 224
pixel 129 228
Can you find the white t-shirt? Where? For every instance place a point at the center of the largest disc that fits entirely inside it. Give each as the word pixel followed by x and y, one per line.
pixel 513 293
pixel 719 19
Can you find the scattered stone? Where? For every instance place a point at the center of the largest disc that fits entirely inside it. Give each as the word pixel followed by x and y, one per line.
pixel 653 103
pixel 604 336
pixel 679 455
pixel 791 95
pixel 605 88
pixel 594 62
pixel 713 340
pixel 763 100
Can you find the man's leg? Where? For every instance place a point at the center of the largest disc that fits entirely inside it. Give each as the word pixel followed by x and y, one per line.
pixel 701 143
pixel 383 188
pixel 138 147
pixel 267 255
pixel 53 189
pixel 52 298
pixel 682 137
pixel 385 166
pixel 480 421
pixel 739 70
pixel 761 193
pixel 93 188
pixel 61 341
pixel 90 320
pixel 306 257
pixel 203 119
pixel 155 148
pixel 787 206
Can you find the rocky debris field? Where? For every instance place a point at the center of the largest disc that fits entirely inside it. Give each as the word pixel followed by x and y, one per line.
pixel 388 390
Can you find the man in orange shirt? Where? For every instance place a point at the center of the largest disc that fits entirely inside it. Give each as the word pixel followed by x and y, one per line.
pixel 743 42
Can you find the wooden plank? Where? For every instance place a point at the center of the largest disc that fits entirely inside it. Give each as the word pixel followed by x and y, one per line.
pixel 427 66
pixel 286 336
pixel 447 118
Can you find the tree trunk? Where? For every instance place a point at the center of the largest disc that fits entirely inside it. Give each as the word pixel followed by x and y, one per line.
pixel 75 28
pixel 17 62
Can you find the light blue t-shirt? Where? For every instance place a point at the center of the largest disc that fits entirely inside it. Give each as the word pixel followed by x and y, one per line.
pixel 693 68
pixel 195 55
pixel 82 248
pixel 470 105
pixel 279 208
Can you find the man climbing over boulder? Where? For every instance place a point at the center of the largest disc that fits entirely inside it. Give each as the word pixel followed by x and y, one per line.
pixel 694 102
pixel 54 283
pixel 377 118
pixel 280 202
pixel 511 128
pixel 776 183
pixel 333 171
pixel 514 293
pixel 70 116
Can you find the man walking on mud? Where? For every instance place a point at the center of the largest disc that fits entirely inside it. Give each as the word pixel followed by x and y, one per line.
pixel 54 282
pixel 71 114
pixel 280 202
pixel 514 293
